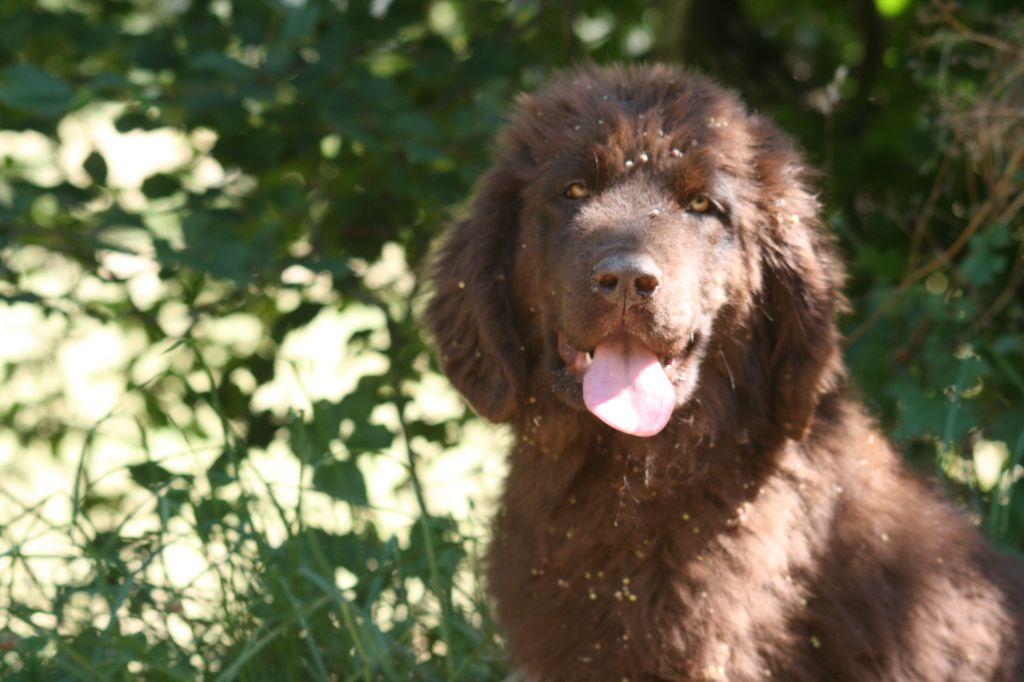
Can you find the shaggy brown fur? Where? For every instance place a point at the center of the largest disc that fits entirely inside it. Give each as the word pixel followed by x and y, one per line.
pixel 768 531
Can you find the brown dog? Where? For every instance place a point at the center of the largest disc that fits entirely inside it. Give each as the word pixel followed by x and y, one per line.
pixel 645 292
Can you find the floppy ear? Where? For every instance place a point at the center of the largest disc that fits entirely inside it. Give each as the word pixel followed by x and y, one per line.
pixel 802 291
pixel 470 312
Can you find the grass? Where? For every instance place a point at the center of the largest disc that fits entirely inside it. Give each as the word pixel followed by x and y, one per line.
pixel 210 564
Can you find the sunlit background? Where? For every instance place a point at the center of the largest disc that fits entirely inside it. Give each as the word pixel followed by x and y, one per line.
pixel 88 368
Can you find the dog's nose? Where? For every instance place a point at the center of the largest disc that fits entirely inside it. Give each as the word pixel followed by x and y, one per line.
pixel 632 278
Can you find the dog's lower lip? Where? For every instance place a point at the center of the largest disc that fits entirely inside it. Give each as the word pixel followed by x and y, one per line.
pixel 574 361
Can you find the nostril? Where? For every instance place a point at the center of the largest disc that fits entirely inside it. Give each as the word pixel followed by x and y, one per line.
pixel 646 284
pixel 607 281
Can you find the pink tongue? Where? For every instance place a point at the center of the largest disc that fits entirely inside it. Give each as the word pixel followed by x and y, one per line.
pixel 627 388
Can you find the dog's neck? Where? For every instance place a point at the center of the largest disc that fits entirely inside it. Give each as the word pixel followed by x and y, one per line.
pixel 690 468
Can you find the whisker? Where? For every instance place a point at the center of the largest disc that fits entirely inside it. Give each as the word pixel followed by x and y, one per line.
pixel 728 369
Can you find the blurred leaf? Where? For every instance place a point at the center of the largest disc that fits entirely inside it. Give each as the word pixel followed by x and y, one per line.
pixel 348 550
pixel 435 433
pixel 150 475
pixel 359 404
pixel 171 502
pixel 96 166
pixel 448 550
pixel 342 480
pixel 108 503
pixel 299 22
pixel 160 185
pixel 369 438
pixel 984 264
pixel 29 88
pixel 220 472
pixel 132 120
pixel 221 65
pixel 211 513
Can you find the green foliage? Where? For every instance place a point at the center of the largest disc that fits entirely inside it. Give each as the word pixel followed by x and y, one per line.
pixel 321 145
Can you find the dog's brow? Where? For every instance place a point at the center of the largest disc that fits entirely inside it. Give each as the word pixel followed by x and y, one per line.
pixel 723 188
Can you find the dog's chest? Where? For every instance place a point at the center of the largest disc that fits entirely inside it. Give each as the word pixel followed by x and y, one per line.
pixel 618 584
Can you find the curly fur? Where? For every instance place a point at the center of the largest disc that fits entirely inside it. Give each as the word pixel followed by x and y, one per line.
pixel 769 531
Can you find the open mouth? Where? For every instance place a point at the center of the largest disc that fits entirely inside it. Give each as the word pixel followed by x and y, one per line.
pixel 577 362
pixel 625 383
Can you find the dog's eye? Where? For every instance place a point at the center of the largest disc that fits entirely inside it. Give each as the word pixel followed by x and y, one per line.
pixel 576 190
pixel 700 204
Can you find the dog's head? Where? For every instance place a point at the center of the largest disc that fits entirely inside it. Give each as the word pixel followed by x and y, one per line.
pixel 639 234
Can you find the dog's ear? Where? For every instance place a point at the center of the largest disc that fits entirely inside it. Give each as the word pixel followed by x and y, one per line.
pixel 470 312
pixel 802 294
